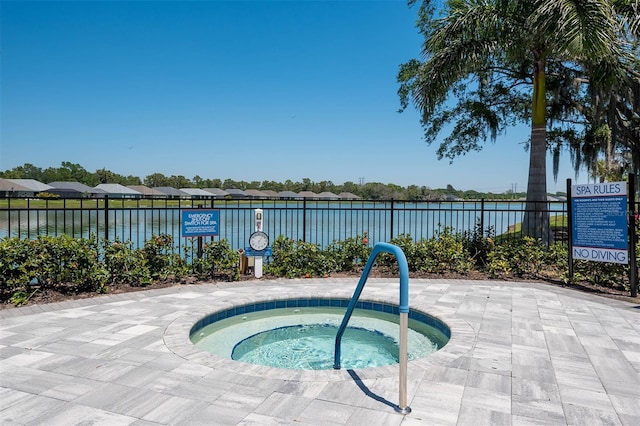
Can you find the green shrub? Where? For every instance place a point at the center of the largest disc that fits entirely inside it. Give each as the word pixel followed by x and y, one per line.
pixel 48 195
pixel 218 261
pixel 283 259
pixel 51 261
pixel 405 243
pixel 416 253
pixel 124 264
pixel 78 263
pixel 299 259
pixel 161 258
pixel 479 243
pixel 611 275
pixel 67 260
pixel 522 257
pixel 446 252
pixel 351 253
pixel 17 265
pixel 19 298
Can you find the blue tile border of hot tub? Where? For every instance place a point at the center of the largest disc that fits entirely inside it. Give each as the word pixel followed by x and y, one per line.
pixel 321 303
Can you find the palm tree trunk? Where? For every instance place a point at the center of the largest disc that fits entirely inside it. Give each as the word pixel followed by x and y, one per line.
pixel 536 217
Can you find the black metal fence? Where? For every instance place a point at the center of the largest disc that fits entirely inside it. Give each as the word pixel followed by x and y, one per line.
pixel 316 221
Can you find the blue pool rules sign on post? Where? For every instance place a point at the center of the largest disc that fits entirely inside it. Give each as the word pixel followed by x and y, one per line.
pixel 599 217
pixel 200 223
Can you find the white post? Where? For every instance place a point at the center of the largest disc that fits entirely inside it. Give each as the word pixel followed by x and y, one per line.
pixel 257 261
pixel 402 407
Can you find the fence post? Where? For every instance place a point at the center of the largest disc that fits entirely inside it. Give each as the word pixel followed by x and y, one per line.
pixel 304 220
pixel 9 217
pixel 64 216
pixel 199 252
pixel 569 230
pixel 46 216
pixel 481 217
pixel 633 267
pixel 28 219
pixel 391 233
pixel 106 217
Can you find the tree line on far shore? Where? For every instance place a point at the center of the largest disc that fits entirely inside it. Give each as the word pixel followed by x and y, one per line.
pixel 371 190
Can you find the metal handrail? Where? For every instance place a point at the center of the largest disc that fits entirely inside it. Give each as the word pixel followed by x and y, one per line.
pixel 403 309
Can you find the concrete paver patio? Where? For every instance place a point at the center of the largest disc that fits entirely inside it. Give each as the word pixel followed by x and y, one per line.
pixel 520 354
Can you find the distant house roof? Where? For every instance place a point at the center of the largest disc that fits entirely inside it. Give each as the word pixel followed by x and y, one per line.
pixel 289 194
pixel 254 193
pixel 7 185
pixel 328 195
pixel 171 191
pixel 76 186
pixel 348 196
pixel 145 190
pixel 196 191
pixel 217 192
pixel 116 188
pixel 73 189
pixel 271 194
pixel 236 193
pixel 31 184
pixel 308 194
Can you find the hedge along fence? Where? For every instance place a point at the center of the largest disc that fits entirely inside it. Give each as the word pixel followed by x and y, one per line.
pixel 78 265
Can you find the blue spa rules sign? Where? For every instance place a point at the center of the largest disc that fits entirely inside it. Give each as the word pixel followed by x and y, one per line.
pixel 599 216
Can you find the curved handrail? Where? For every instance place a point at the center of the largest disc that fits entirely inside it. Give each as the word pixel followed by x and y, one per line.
pixel 403 306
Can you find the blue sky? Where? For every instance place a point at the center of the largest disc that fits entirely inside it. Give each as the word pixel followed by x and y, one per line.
pixel 263 90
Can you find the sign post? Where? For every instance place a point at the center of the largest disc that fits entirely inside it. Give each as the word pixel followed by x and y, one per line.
pixel 257 265
pixel 633 267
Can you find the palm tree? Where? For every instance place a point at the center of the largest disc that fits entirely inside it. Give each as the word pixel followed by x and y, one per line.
pixel 618 122
pixel 493 57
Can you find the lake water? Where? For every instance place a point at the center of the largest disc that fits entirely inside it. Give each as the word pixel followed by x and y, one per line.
pixel 319 222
